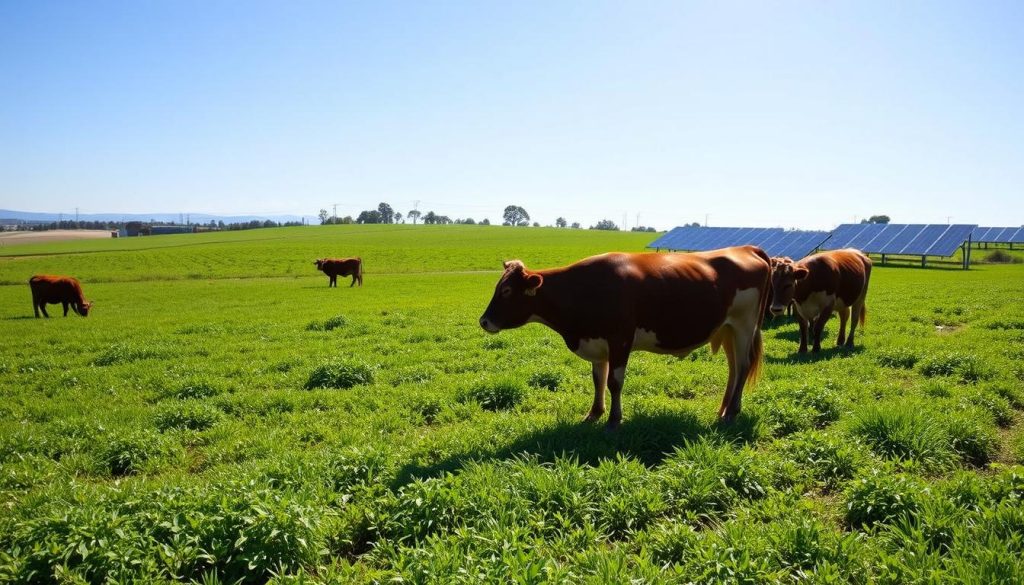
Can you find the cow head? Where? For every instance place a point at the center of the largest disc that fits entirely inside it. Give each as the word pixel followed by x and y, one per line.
pixel 785 273
pixel 319 264
pixel 83 309
pixel 514 298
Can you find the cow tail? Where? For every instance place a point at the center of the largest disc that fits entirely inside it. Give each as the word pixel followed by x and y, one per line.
pixel 756 358
pixel 757 347
pixel 864 305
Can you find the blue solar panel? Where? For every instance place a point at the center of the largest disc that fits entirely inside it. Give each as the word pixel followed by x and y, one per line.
pixel 950 240
pixel 999 235
pixel 910 239
pixel 904 237
pixel 886 235
pixel 774 241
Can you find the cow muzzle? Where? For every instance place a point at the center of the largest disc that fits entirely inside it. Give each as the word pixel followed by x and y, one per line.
pixel 489 325
pixel 776 311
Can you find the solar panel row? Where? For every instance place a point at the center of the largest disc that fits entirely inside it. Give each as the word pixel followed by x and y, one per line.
pixel 909 239
pixel 774 241
pixel 999 235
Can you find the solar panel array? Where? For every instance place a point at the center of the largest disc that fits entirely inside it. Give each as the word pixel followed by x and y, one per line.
pixel 899 238
pixel 774 241
pixel 999 235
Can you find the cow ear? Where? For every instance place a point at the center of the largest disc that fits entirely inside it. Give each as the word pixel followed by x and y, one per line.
pixel 514 265
pixel 533 282
pixel 800 272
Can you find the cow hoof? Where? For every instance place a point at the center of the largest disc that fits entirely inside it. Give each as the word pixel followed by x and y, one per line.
pixel 592 416
pixel 611 426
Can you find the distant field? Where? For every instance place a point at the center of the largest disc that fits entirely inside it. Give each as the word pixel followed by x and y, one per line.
pixel 222 415
pixel 49 236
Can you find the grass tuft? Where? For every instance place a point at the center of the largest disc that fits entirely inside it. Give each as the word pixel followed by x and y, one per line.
pixel 340 375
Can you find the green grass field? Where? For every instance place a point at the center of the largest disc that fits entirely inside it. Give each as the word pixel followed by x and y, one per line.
pixel 222 415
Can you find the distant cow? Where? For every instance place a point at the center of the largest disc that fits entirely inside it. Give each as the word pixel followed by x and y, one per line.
pixel 335 267
pixel 57 289
pixel 820 284
pixel 604 307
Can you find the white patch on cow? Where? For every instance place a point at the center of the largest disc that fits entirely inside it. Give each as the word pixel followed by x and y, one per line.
pixel 593 350
pixel 815 304
pixel 745 310
pixel 645 340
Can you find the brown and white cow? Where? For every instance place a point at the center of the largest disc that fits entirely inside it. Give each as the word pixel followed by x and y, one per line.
pixel 335 267
pixel 57 289
pixel 607 306
pixel 819 285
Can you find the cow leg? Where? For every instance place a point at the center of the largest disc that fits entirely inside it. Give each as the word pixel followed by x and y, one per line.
pixel 855 318
pixel 819 327
pixel 334 281
pixel 35 308
pixel 724 411
pixel 599 373
pixel 353 281
pixel 42 307
pixel 744 360
pixel 844 315
pixel 803 332
pixel 65 309
pixel 616 378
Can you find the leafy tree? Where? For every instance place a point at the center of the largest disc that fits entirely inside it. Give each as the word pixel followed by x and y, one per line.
pixel 324 216
pixel 442 219
pixel 693 224
pixel 560 222
pixel 605 224
pixel 536 224
pixel 415 215
pixel 641 228
pixel 398 217
pixel 876 219
pixel 515 215
pixel 371 216
pixel 430 218
pixel 387 215
pixel 485 221
pixel 575 225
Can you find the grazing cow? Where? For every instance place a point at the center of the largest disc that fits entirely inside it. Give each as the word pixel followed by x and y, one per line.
pixel 820 284
pixel 606 306
pixel 335 267
pixel 57 289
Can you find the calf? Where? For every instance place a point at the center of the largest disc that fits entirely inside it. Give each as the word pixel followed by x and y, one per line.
pixel 335 267
pixel 820 284
pixel 607 306
pixel 57 289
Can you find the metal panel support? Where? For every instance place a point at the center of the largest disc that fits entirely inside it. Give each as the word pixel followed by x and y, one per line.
pixel 923 260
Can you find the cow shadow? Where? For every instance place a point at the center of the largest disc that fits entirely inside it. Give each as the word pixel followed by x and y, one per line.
pixel 19 318
pixel 826 353
pixel 648 438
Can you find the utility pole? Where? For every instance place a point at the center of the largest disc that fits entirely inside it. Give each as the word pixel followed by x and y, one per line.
pixel 76 217
pixel 625 220
pixel 335 210
pixel 706 215
pixel 948 218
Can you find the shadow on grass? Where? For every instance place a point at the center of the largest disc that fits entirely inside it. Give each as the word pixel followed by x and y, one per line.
pixel 649 438
pixel 826 353
pixel 19 318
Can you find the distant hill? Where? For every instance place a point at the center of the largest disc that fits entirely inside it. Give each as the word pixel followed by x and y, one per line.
pixel 32 216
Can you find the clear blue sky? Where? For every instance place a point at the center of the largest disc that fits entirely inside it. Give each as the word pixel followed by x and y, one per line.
pixel 795 114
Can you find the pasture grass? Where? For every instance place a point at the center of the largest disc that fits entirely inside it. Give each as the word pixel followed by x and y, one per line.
pixel 223 416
